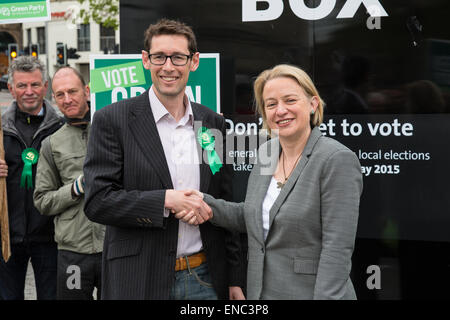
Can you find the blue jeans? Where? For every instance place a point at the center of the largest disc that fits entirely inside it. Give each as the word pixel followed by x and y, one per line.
pixel 12 273
pixel 193 284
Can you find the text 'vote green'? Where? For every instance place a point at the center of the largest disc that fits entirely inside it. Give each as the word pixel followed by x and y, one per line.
pixel 124 75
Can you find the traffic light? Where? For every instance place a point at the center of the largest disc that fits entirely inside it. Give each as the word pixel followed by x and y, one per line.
pixel 61 54
pixel 13 51
pixel 72 53
pixel 34 50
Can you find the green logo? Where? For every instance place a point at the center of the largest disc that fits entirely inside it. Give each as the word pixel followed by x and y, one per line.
pixel 23 11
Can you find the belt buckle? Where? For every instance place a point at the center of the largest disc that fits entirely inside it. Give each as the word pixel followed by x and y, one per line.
pixel 179 264
pixel 184 262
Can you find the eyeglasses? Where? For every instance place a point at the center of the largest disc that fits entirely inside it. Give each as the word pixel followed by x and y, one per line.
pixel 178 59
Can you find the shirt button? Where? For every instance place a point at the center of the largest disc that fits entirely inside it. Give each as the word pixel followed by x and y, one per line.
pixel 180 181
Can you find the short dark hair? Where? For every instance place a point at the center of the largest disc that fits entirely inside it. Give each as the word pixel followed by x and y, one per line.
pixel 77 73
pixel 26 64
pixel 170 27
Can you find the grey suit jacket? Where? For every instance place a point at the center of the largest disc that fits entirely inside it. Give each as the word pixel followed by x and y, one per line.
pixel 312 225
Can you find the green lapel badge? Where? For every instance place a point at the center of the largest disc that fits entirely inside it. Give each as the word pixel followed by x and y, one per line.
pixel 30 156
pixel 206 141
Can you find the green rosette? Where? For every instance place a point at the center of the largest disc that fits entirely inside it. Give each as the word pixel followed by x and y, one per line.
pixel 30 156
pixel 206 141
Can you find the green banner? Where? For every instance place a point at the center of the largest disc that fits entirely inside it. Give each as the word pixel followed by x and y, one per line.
pixel 118 77
pixel 123 75
pixel 17 11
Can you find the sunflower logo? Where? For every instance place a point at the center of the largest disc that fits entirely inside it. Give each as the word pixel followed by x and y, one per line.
pixel 5 12
pixel 206 138
pixel 30 156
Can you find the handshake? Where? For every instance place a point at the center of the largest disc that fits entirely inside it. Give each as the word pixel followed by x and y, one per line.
pixel 188 206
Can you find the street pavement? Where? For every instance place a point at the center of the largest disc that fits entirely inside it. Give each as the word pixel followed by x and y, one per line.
pixel 5 99
pixel 30 288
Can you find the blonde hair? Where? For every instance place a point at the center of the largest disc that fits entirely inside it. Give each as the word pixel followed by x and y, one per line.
pixel 295 73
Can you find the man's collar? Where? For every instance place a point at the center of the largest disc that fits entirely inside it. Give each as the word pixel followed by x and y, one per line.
pixel 159 111
pixel 42 112
pixel 79 122
pixel 22 113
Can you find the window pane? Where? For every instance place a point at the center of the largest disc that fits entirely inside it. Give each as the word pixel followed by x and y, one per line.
pixel 104 31
pixel 41 40
pixel 29 36
pixel 84 38
pixel 107 38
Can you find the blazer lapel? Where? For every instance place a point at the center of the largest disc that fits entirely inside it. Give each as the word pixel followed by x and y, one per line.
pixel 263 182
pixel 205 171
pixel 312 140
pixel 263 185
pixel 142 125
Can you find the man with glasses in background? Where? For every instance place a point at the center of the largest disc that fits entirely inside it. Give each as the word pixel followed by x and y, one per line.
pixel 142 152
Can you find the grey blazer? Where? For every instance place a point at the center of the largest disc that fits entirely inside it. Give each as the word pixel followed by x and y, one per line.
pixel 312 226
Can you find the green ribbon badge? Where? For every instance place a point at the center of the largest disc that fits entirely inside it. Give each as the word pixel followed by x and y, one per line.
pixel 29 157
pixel 206 141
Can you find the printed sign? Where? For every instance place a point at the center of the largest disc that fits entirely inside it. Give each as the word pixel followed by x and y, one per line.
pixel 118 77
pixel 403 161
pixel 18 11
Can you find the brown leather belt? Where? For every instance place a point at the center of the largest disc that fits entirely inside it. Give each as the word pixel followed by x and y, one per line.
pixel 192 261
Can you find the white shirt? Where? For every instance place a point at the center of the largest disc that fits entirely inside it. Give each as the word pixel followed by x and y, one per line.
pixel 271 196
pixel 179 144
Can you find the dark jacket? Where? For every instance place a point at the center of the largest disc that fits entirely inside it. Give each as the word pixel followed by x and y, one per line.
pixel 25 222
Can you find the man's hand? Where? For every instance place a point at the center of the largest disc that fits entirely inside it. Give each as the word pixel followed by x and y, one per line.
pixel 191 208
pixel 236 293
pixel 188 217
pixel 194 192
pixel 3 169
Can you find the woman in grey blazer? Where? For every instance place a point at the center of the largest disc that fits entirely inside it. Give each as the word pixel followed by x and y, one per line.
pixel 302 202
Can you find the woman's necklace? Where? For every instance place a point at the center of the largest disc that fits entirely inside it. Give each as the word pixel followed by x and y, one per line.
pixel 281 184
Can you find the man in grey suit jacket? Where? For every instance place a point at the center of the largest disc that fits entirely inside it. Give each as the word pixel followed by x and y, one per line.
pixel 133 169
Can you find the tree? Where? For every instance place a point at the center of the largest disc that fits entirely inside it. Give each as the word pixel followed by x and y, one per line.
pixel 103 12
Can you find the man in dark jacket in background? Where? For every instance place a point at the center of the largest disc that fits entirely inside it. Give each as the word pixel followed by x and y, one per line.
pixel 25 124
